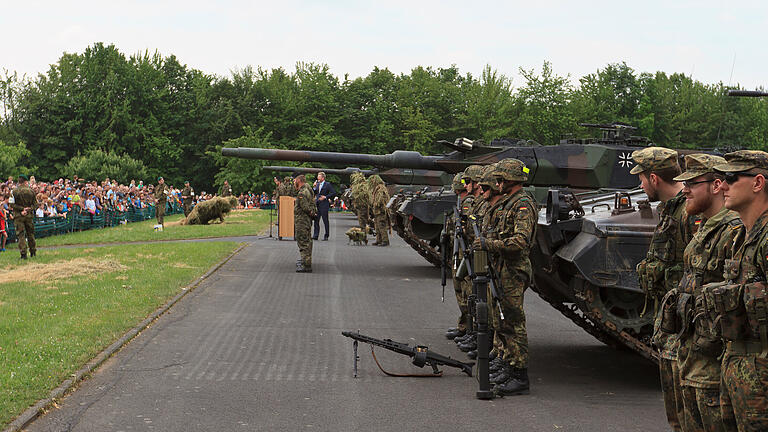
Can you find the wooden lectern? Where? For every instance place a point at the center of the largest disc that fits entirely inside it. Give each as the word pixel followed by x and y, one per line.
pixel 285 218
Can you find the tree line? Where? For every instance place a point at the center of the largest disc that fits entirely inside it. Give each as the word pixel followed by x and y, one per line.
pixel 101 112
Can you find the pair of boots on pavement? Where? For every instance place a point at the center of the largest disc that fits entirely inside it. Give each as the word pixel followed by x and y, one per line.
pixel 301 268
pixel 507 380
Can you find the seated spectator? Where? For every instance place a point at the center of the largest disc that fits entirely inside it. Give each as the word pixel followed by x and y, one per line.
pixel 40 211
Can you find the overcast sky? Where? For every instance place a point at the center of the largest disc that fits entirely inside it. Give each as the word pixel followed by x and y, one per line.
pixel 700 38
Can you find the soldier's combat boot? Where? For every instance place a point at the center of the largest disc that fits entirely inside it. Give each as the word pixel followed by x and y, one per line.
pixel 301 268
pixel 470 345
pixel 502 375
pixel 495 365
pixel 454 332
pixel 517 384
pixel 23 256
pixel 472 354
pixel 33 253
pixel 463 339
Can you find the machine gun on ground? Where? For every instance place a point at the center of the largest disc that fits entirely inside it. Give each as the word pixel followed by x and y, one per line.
pixel 421 354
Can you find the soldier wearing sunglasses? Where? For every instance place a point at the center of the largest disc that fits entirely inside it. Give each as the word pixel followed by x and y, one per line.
pixel 662 268
pixel 739 307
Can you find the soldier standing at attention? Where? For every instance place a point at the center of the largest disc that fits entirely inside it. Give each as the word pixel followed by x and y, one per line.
pixel 704 259
pixel 161 197
pixel 304 212
pixel 187 194
pixel 23 203
pixel 508 237
pixel 379 199
pixel 740 306
pixel 225 190
pixel 662 268
pixel 450 223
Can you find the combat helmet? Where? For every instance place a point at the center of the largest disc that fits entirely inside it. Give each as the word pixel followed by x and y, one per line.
pixel 488 178
pixel 458 185
pixel 512 170
pixel 473 172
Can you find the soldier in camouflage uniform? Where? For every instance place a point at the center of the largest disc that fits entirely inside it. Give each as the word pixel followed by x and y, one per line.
pixel 704 259
pixel 379 199
pixel 739 306
pixel 662 268
pixel 187 195
pixel 361 200
pixel 161 198
pixel 23 202
pixel 508 234
pixel 304 212
pixel 225 190
pixel 486 185
pixel 450 232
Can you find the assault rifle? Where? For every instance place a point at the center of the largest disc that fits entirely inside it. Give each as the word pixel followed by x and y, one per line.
pixel 492 276
pixel 462 259
pixel 420 353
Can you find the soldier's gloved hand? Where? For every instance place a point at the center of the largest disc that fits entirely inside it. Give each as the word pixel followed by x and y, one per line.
pixel 479 244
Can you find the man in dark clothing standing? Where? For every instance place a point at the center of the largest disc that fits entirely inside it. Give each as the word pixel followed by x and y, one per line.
pixel 324 195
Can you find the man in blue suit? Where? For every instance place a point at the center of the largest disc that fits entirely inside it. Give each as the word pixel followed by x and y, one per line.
pixel 324 195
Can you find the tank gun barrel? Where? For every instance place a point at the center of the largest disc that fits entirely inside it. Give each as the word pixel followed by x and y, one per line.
pixel 309 170
pixel 747 93
pixel 397 159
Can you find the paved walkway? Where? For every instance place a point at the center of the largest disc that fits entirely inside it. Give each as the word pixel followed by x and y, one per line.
pixel 259 347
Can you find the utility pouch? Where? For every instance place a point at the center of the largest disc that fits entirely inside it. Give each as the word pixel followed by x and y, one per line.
pixel 705 338
pixel 666 322
pixel 724 303
pixel 655 285
pixel 684 312
pixel 756 305
pixel 731 269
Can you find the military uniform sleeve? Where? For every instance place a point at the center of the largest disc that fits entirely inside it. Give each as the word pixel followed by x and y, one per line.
pixel 518 236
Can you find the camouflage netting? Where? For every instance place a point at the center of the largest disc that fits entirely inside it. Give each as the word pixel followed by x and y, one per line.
pixel 206 211
pixel 357 236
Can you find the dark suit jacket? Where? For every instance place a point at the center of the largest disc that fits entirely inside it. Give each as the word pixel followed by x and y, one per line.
pixel 330 194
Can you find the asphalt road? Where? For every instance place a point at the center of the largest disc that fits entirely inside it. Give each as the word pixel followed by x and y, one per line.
pixel 259 347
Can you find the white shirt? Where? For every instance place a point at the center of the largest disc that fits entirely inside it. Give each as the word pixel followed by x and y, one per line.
pixel 39 213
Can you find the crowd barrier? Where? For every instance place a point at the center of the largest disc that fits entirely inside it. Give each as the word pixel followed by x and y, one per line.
pixel 81 220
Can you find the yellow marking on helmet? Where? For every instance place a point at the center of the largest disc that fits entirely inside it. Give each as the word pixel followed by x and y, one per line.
pixel 526 170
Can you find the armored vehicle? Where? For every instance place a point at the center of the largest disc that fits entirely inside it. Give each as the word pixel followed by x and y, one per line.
pixel 591 232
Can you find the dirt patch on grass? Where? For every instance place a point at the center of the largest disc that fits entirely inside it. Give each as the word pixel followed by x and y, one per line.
pixel 181 265
pixel 42 273
pixel 174 223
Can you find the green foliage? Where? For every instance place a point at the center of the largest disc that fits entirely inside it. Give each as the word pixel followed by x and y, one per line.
pixel 175 119
pixel 97 165
pixel 10 157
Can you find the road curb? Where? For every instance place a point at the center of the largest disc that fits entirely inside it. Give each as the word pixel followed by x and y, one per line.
pixel 33 412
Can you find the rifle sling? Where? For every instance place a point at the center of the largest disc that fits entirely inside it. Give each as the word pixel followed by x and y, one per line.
pixel 392 374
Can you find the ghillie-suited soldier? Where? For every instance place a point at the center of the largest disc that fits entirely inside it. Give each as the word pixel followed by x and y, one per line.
pixel 208 210
pixel 304 212
pixel 23 203
pixel 450 223
pixel 187 195
pixel 361 200
pixel 662 268
pixel 225 190
pixel 704 259
pixel 508 235
pixel 161 198
pixel 739 306
pixel 379 199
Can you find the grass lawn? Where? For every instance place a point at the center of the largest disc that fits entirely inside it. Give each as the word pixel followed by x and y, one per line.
pixel 237 223
pixel 59 310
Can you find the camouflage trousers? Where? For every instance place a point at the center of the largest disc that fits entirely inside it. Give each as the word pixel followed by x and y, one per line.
pixel 702 413
pixel 461 300
pixel 511 332
pixel 362 217
pixel 670 386
pixel 302 232
pixel 187 208
pixel 25 232
pixel 382 228
pixel 744 387
pixel 160 212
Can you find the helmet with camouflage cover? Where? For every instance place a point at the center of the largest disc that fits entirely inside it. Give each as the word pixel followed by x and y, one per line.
pixel 458 184
pixel 473 172
pixel 488 178
pixel 511 169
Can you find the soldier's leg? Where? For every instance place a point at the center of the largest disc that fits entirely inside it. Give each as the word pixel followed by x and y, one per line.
pixel 670 387
pixel 30 231
pixel 381 225
pixel 710 414
pixel 21 235
pixel 304 240
pixel 745 378
pixel 361 219
pixel 462 303
pixel 160 213
pixel 726 409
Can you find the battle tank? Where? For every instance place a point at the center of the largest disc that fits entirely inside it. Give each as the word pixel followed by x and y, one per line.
pixel 584 260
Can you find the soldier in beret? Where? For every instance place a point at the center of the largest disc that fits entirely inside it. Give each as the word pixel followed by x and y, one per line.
pixel 161 197
pixel 704 260
pixel 662 268
pixel 740 306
